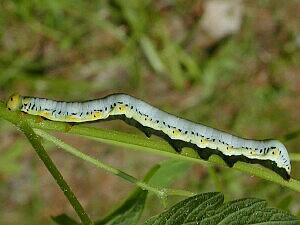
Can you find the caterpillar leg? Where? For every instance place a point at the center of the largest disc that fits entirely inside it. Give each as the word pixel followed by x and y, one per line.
pixel 229 162
pixel 146 132
pixel 204 153
pixel 176 145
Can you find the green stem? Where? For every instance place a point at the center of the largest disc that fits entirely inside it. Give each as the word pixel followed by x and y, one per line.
pixel 147 144
pixel 35 142
pixel 72 150
pixel 295 157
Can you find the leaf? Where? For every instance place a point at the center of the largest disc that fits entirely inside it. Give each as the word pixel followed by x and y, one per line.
pixel 152 55
pixel 169 171
pixel 127 214
pixel 209 208
pixel 131 210
pixel 63 219
pixel 170 56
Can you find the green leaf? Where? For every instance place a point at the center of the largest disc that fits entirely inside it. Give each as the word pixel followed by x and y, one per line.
pixel 63 219
pixel 131 210
pixel 152 55
pixel 170 56
pixel 169 171
pixel 209 208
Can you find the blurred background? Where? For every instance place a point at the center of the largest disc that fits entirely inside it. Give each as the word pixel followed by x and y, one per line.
pixel 233 65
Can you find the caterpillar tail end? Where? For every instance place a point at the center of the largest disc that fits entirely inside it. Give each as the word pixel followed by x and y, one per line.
pixel 14 102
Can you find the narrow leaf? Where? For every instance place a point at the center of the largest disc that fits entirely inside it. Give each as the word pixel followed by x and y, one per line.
pixel 152 55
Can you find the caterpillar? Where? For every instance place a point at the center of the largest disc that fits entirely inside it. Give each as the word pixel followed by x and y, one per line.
pixel 176 131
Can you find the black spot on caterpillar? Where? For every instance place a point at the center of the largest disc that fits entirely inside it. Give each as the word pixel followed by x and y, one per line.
pixel 176 131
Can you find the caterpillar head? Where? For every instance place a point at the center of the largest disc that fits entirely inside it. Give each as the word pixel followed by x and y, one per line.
pixel 14 102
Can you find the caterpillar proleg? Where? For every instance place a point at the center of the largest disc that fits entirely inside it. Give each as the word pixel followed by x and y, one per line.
pixel 177 131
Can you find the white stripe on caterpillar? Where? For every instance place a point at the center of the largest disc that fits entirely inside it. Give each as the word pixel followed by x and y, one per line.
pixel 177 131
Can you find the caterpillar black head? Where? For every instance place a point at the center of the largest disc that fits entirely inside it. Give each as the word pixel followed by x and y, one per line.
pixel 14 102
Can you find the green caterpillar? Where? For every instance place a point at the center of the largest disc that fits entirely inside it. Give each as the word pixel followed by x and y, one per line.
pixel 177 131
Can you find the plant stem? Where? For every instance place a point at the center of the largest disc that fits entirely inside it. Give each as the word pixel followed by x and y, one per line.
pixel 72 150
pixel 36 144
pixel 295 157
